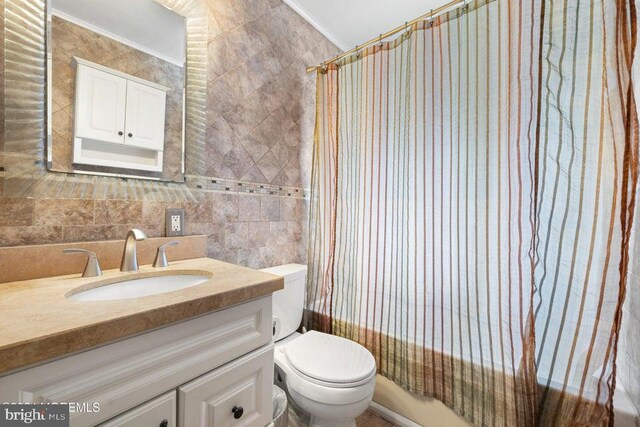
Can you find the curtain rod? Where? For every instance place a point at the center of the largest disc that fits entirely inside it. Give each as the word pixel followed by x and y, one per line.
pixel 396 30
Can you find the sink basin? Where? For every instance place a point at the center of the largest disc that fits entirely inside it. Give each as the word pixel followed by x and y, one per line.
pixel 134 288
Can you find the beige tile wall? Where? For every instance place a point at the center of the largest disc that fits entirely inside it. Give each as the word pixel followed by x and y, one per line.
pixel 260 113
pixel 260 99
pixel 255 231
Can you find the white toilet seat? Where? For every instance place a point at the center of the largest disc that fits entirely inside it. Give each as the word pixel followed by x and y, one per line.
pixel 329 395
pixel 331 384
pixel 319 389
pixel 330 361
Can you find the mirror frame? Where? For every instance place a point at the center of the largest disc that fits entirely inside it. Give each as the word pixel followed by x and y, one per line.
pixel 25 109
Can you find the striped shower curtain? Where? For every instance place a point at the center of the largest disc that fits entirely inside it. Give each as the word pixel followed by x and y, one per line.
pixel 473 195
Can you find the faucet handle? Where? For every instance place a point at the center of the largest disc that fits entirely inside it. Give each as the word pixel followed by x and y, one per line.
pixel 161 256
pixel 92 269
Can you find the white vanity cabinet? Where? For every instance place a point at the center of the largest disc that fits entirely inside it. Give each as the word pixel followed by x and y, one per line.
pixel 119 119
pixel 236 394
pixel 215 370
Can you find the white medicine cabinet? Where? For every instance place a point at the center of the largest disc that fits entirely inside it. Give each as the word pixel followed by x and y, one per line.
pixel 119 119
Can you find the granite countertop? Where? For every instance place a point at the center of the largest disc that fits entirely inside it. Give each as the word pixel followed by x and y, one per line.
pixel 38 322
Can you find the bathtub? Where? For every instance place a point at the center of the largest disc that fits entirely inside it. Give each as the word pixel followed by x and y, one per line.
pixel 424 411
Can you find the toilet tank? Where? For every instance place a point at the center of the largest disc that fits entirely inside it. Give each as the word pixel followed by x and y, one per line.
pixel 288 304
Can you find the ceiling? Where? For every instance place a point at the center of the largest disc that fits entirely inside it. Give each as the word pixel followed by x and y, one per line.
pixel 142 24
pixel 348 23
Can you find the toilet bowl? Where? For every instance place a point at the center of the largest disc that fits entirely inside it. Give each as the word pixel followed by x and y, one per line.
pixel 330 378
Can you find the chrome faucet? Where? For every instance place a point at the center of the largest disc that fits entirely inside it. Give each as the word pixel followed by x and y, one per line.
pixel 129 257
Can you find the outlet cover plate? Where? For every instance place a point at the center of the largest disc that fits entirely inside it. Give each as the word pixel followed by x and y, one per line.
pixel 174 222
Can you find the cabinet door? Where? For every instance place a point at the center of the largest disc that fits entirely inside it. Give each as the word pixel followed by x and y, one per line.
pixel 237 394
pixel 145 116
pixel 158 412
pixel 100 105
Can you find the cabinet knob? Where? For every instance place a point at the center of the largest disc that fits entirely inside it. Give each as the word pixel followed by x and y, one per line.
pixel 237 412
pixel 164 423
pixel 129 134
pixel 120 133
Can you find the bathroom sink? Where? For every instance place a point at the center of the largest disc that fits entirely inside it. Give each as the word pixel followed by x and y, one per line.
pixel 140 287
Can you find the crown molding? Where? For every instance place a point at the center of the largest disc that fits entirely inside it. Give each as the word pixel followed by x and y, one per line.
pixel 302 11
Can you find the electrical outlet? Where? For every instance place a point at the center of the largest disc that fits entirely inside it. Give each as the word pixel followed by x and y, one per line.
pixel 174 223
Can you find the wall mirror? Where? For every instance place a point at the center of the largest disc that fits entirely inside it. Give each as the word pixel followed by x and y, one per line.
pixel 115 88
pixel 104 98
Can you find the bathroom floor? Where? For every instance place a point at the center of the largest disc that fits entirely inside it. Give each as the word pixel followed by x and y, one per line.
pixel 368 419
pixel 371 419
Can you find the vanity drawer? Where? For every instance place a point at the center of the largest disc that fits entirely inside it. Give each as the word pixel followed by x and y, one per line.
pixel 154 413
pixel 237 394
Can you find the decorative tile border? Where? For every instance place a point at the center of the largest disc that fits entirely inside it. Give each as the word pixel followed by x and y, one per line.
pixel 218 184
pixel 70 185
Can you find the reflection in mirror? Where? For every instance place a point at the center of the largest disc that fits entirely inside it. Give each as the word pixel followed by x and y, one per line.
pixel 116 79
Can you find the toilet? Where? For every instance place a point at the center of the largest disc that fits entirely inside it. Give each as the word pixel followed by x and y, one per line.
pixel 330 378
